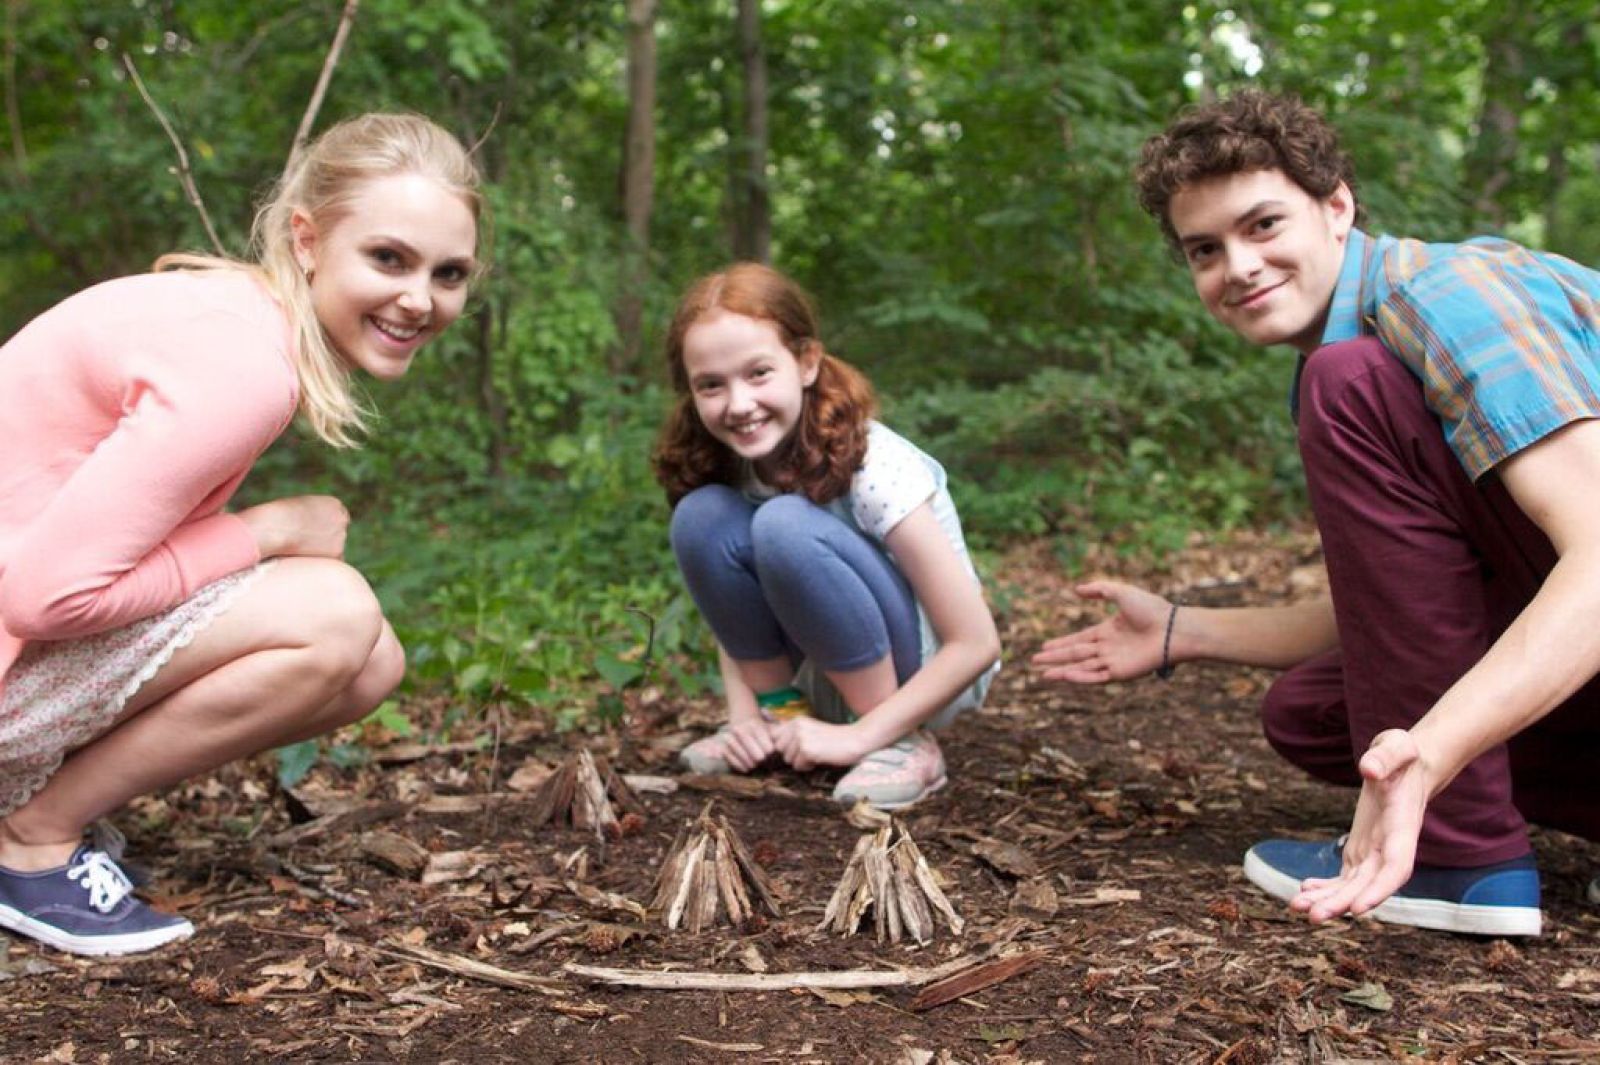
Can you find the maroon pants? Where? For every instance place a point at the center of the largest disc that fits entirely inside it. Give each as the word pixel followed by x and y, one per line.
pixel 1427 569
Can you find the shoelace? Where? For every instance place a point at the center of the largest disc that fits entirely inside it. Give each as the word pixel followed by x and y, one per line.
pixel 100 876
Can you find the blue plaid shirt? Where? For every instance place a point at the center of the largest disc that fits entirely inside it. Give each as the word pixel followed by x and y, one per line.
pixel 1506 341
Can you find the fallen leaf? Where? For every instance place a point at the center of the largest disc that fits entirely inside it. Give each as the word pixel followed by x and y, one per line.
pixel 843 999
pixel 1006 857
pixel 529 775
pixel 1001 1033
pixel 1035 898
pixel 1371 996
pixel 28 967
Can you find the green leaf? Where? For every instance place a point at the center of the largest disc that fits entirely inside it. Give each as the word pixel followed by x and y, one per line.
pixel 389 715
pixel 295 761
pixel 473 677
pixel 617 673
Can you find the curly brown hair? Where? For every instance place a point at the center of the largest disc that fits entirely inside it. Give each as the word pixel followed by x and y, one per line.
pixel 1250 130
pixel 828 445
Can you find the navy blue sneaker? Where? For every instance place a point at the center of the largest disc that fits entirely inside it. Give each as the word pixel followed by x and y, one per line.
pixel 1484 900
pixel 84 907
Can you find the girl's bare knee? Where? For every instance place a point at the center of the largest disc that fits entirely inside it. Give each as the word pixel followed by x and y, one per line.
pixel 344 623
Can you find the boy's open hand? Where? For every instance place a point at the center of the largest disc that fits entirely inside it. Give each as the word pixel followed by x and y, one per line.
pixel 1125 645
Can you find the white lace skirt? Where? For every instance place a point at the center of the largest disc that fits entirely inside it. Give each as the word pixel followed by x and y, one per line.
pixel 60 694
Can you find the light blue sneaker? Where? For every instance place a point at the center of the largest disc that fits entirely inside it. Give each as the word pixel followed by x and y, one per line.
pixel 84 907
pixel 1485 900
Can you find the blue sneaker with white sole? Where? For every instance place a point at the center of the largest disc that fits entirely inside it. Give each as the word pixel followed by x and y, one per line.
pixel 84 907
pixel 1501 899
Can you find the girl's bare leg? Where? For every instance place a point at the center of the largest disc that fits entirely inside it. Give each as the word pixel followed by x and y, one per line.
pixel 302 651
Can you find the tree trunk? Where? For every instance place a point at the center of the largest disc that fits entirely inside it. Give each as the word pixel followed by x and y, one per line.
pixel 753 230
pixel 1491 162
pixel 489 398
pixel 638 180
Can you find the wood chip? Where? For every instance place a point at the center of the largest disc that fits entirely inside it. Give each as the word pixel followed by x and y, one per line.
pixel 394 852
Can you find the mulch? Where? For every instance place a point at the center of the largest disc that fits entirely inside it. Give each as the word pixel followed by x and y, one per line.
pixel 410 910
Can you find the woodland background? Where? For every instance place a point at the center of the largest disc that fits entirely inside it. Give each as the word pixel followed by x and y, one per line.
pixel 948 177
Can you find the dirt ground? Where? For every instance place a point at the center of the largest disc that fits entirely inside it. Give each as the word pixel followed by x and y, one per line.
pixel 1099 832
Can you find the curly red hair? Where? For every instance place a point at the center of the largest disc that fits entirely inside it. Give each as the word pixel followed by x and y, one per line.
pixel 827 446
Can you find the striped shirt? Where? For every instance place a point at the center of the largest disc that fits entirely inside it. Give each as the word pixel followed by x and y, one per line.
pixel 1506 341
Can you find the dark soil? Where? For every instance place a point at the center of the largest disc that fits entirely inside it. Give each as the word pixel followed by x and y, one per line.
pixel 1134 804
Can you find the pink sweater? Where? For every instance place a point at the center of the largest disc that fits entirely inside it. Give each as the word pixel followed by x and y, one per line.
pixel 129 413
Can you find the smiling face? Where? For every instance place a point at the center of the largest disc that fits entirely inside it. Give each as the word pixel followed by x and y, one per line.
pixel 748 387
pixel 391 271
pixel 1264 254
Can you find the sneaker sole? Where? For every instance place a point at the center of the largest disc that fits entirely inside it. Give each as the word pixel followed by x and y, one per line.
pixel 1436 914
pixel 93 946
pixel 899 805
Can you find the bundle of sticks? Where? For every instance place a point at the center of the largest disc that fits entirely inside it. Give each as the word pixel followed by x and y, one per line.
pixel 581 792
pixel 708 876
pixel 889 875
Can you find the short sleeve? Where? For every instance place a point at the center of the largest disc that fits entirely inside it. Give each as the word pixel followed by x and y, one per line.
pixel 1503 340
pixel 893 481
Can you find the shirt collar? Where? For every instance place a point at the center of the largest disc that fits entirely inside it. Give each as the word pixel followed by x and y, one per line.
pixel 1349 296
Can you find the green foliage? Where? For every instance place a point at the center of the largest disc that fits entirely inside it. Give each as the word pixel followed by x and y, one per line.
pixel 949 178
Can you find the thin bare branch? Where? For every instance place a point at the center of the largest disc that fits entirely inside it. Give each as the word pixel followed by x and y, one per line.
pixel 494 120
pixel 309 119
pixel 185 176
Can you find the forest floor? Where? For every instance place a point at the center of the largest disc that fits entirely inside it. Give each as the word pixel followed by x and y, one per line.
pixel 1095 832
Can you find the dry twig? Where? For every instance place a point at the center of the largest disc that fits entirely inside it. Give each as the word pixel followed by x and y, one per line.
pixel 844 980
pixel 476 970
pixel 310 117
pixel 185 176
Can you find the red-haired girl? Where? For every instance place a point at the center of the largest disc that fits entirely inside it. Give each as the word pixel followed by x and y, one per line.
pixel 822 549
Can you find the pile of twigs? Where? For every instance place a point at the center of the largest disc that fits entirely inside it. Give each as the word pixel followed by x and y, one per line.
pixel 708 876
pixel 889 875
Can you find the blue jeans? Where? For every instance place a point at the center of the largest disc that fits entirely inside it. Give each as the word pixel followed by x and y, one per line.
pixel 787 578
